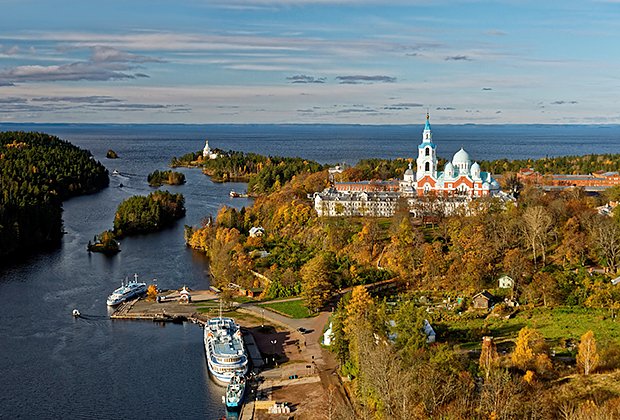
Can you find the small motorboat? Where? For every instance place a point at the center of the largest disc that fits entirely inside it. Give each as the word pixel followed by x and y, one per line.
pixel 76 313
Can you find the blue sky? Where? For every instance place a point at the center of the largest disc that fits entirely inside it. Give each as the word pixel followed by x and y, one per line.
pixel 310 61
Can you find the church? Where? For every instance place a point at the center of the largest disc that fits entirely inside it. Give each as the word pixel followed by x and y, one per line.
pixel 459 182
pixel 459 178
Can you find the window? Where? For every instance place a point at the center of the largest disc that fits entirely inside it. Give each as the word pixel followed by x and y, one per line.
pixel 427 166
pixel 428 151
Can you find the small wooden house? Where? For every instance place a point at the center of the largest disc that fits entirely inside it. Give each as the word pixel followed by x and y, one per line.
pixel 483 300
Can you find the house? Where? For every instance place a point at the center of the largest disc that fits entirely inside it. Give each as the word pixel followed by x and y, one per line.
pixel 483 300
pixel 256 232
pixel 328 335
pixel 506 282
pixel 253 291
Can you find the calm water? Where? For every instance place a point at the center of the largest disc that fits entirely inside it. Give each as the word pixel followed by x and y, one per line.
pixel 52 366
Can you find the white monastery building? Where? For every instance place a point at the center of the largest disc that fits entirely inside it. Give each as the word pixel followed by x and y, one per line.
pixel 460 182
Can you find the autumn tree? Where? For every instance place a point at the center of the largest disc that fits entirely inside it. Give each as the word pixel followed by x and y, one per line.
pixel 587 355
pixel 537 224
pixel 531 351
pixel 489 359
pixel 316 285
pixel 605 234
pixel 543 288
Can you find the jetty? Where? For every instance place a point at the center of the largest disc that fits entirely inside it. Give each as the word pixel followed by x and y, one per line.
pixel 170 306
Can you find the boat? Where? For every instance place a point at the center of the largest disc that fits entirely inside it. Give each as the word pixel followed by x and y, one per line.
pixel 234 392
pixel 235 194
pixel 127 291
pixel 76 313
pixel 115 172
pixel 226 355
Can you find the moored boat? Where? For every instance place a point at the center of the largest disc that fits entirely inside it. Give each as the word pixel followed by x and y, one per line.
pixel 126 291
pixel 226 355
pixel 234 392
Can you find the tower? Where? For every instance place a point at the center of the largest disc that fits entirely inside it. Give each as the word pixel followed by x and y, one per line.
pixel 427 158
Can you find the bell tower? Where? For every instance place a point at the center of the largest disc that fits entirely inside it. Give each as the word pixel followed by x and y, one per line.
pixel 427 158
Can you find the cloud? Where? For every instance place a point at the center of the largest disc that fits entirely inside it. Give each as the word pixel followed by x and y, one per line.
pixel 352 80
pixel 82 70
pixel 564 102
pixel 102 54
pixel 402 106
pixel 487 88
pixel 12 100
pixel 78 99
pixel 445 108
pixel 496 32
pixel 302 78
pixel 458 58
pixel 11 51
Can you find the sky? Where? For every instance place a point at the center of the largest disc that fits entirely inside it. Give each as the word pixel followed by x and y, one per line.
pixel 310 61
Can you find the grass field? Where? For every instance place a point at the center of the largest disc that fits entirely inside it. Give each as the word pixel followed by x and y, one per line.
pixel 556 325
pixel 292 308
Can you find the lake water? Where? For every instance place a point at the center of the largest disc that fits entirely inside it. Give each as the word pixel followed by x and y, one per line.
pixel 54 366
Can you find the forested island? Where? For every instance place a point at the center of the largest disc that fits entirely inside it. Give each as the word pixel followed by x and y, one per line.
pixel 37 172
pixel 145 214
pixel 159 178
pixel 104 243
pixel 264 174
pixel 549 330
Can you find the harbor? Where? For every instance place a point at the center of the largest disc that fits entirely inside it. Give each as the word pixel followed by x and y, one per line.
pixel 290 372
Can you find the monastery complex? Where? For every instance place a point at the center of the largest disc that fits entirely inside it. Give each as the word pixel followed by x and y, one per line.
pixel 460 182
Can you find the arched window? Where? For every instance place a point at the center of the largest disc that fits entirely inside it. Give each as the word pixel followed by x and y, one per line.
pixel 427 166
pixel 428 151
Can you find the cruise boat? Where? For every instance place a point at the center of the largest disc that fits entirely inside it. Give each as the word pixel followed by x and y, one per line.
pixel 127 291
pixel 234 392
pixel 226 355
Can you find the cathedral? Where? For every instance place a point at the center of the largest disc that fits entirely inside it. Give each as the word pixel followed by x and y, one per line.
pixel 459 178
pixel 460 181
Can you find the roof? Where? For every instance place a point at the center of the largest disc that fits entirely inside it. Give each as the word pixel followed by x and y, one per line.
pixel 427 126
pixel 485 295
pixel 461 157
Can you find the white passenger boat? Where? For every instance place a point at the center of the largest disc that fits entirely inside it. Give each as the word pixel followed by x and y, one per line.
pixel 127 291
pixel 226 355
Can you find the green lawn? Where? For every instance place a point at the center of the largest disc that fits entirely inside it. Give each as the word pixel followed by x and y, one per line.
pixel 556 324
pixel 294 308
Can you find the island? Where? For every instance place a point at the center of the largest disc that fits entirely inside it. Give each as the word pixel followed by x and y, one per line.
pixel 145 214
pixel 37 172
pixel 111 154
pixel 104 243
pixel 158 178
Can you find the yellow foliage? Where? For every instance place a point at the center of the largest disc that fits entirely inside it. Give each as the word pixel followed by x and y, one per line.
pixel 151 292
pixel 529 376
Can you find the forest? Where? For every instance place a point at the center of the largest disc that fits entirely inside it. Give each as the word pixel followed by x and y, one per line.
pixel 159 178
pixel 144 214
pixel 560 252
pixel 37 172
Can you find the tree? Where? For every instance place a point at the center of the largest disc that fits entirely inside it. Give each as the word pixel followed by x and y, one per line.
pixel 587 355
pixel 537 223
pixel 606 237
pixel 315 282
pixel 489 359
pixel 409 328
pixel 530 351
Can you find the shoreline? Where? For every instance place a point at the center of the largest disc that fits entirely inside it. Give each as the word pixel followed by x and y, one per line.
pixel 293 367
